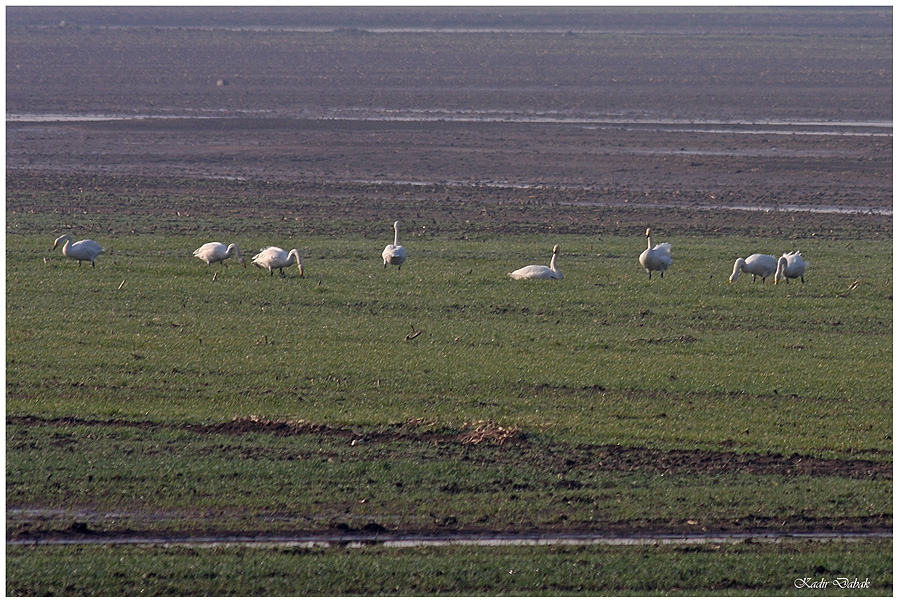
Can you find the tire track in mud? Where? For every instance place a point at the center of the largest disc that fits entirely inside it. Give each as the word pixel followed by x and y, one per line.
pixel 435 540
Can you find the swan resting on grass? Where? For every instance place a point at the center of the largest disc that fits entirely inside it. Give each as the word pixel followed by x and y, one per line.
pixel 656 258
pixel 218 252
pixel 534 271
pixel 758 264
pixel 275 257
pixel 790 265
pixel 85 250
pixel 394 254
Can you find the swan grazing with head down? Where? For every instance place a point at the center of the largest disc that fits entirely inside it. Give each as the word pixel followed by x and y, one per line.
pixel 534 271
pixel 394 254
pixel 656 258
pixel 758 264
pixel 85 250
pixel 218 252
pixel 790 265
pixel 275 257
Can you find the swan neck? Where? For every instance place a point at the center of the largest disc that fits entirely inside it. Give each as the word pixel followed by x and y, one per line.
pixel 781 266
pixel 296 254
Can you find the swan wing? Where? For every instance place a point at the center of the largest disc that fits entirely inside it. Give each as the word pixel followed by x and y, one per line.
pixel 663 252
pixel 85 250
pixel 795 265
pixel 534 271
pixel 761 265
pixel 394 254
pixel 271 257
pixel 211 252
pixel 657 258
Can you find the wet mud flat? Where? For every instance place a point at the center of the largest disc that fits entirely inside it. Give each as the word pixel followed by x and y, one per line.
pixel 614 166
pixel 736 109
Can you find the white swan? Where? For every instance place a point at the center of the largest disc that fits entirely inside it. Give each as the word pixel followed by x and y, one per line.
pixel 790 265
pixel 394 254
pixel 534 271
pixel 656 258
pixel 85 250
pixel 218 252
pixel 758 264
pixel 275 257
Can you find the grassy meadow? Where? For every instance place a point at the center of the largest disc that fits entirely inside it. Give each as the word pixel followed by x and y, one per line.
pixel 152 333
pixel 124 382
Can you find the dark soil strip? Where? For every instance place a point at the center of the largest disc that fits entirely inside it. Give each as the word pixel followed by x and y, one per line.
pixel 595 457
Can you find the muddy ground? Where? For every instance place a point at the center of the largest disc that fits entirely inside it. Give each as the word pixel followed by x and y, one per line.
pixel 754 109
pixel 504 446
pixel 738 121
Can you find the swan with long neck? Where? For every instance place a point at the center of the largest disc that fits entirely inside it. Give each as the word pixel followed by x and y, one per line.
pixel 535 271
pixel 656 258
pixel 790 265
pixel 219 252
pixel 275 257
pixel 758 264
pixel 85 250
pixel 394 254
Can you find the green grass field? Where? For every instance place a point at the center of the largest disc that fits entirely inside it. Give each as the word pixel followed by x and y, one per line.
pixel 150 334
pixel 123 380
pixel 753 569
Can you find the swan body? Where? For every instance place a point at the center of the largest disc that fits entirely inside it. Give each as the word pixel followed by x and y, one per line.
pixel 790 265
pixel 758 264
pixel 544 272
pixel 85 250
pixel 275 257
pixel 394 254
pixel 656 258
pixel 218 252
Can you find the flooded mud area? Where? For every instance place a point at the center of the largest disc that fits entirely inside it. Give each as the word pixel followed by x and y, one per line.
pixel 618 109
pixel 578 121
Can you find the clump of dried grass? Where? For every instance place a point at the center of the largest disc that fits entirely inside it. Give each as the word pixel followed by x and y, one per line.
pixel 487 431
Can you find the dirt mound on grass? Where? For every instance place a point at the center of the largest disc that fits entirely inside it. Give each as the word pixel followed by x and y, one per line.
pixel 519 445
